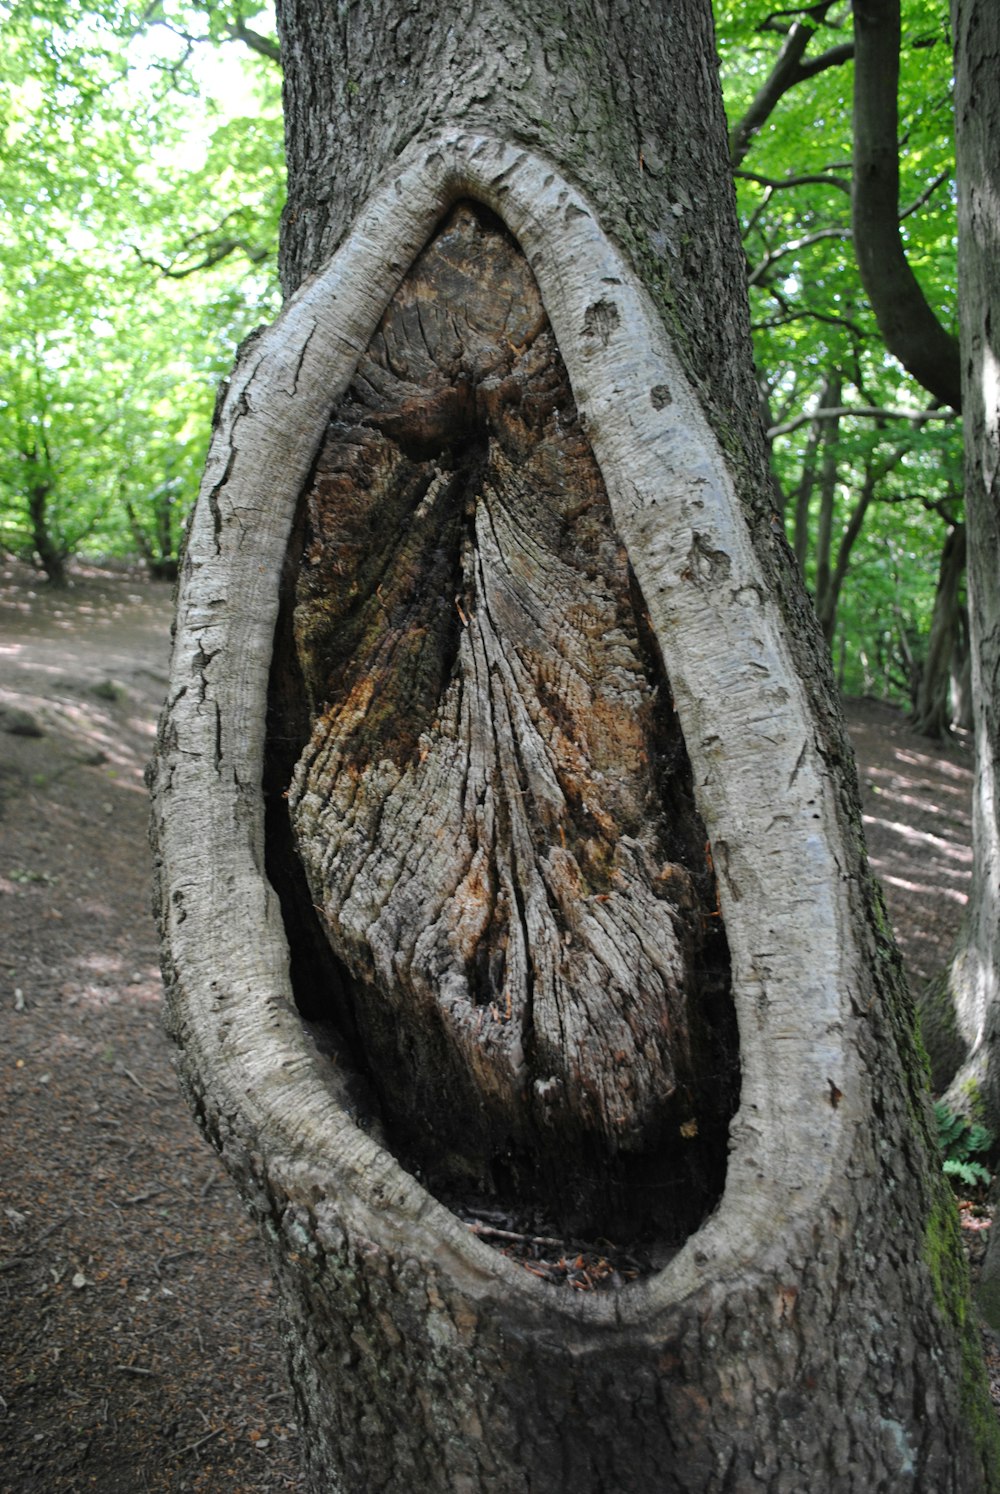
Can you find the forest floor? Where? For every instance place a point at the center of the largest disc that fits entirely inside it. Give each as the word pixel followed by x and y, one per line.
pixel 139 1349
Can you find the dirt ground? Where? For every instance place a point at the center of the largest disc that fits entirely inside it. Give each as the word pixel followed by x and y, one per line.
pixel 139 1350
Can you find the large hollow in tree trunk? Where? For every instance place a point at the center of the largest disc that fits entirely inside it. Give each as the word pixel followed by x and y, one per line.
pixel 726 1353
pixel 494 808
pixel 812 1328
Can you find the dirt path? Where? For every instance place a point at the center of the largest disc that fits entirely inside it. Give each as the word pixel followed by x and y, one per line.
pixel 140 1351
pixel 139 1347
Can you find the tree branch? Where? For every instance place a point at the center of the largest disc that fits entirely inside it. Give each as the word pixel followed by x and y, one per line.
pixel 910 328
pixel 868 412
pixel 756 275
pixel 789 69
pixel 213 255
pixel 804 313
pixel 927 193
pixel 777 183
pixel 263 45
pixel 832 57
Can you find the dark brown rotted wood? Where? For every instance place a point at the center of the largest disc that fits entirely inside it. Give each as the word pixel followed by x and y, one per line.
pixel 494 809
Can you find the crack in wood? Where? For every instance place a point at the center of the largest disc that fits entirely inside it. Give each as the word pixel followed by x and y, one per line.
pixel 494 809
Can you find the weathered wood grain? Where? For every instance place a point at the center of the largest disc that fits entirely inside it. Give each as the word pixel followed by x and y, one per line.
pixel 494 809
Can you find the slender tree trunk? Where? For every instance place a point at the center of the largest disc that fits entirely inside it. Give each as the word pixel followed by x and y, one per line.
pixel 836 577
pixel 807 482
pixel 453 549
pixel 50 556
pixel 961 675
pixel 827 502
pixel 932 712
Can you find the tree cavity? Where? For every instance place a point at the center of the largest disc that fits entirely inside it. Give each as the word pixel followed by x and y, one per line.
pixel 499 896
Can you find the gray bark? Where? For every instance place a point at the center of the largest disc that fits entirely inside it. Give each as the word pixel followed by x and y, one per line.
pixel 972 988
pixel 785 1342
pixel 968 995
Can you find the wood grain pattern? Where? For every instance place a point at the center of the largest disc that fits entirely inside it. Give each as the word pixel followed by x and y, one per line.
pixel 494 809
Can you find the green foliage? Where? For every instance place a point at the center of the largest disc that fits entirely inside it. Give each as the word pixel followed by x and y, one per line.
pixel 129 274
pixel 817 343
pixel 138 230
pixel 965 1146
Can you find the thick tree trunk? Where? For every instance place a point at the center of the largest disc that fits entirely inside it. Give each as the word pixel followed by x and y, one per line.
pixel 485 567
pixel 971 993
pixel 966 1002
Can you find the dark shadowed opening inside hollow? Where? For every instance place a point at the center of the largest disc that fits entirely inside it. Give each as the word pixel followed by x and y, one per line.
pixel 499 896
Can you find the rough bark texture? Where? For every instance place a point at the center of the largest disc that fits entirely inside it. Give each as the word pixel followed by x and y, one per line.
pixel 909 325
pixel 972 988
pixel 967 1000
pixel 784 1345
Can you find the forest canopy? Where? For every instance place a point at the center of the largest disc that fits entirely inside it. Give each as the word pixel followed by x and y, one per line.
pixel 140 188
pixel 141 184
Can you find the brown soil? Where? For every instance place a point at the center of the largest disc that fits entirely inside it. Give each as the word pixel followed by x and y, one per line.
pixel 140 1350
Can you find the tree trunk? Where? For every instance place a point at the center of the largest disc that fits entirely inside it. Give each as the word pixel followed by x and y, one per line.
pixel 965 1003
pixel 961 675
pixel 909 325
pixel 826 611
pixel 807 479
pixel 51 556
pixel 932 712
pixel 492 594
pixel 967 999
pixel 834 582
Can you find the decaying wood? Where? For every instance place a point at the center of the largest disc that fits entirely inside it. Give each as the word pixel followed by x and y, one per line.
pixel 495 808
pixel 783 1337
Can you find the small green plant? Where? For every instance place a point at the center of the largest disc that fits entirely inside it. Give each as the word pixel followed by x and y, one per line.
pixel 964 1145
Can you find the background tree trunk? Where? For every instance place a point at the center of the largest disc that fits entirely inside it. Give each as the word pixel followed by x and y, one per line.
pixel 964 1005
pixel 973 983
pixel 932 714
pixel 783 1337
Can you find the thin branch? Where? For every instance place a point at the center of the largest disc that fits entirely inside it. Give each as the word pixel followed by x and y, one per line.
pixel 213 255
pixel 263 45
pixel 928 191
pixel 868 412
pixel 756 275
pixel 805 314
pixel 778 183
pixel 816 12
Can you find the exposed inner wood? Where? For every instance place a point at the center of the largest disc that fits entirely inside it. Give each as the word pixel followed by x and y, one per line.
pixel 494 808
